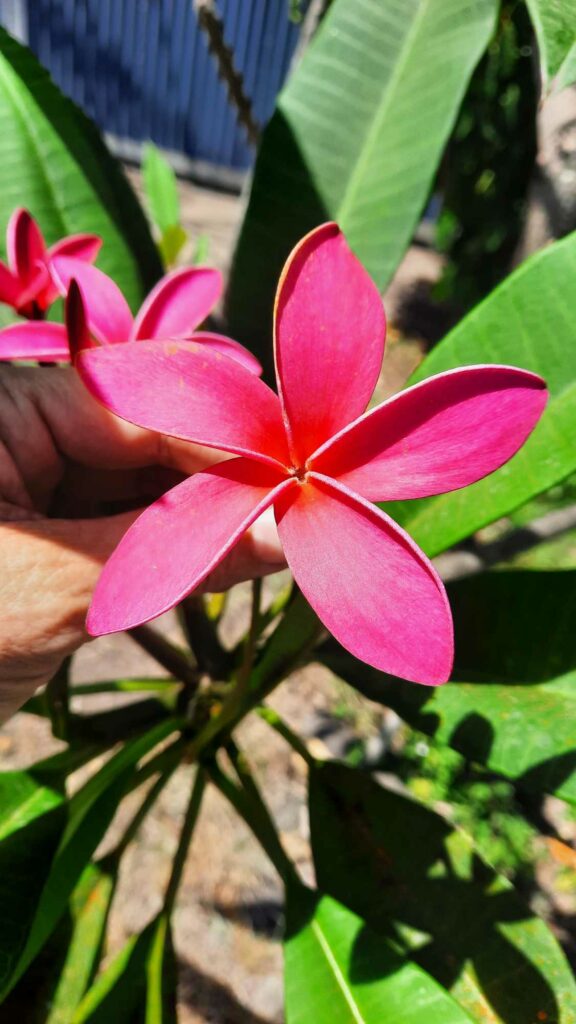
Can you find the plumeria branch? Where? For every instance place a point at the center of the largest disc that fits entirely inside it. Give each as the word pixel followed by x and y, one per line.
pixel 212 25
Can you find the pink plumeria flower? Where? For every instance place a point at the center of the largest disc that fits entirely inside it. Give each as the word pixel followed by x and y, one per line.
pixel 174 308
pixel 26 283
pixel 317 457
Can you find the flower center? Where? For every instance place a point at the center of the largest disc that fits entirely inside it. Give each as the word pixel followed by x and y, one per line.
pixel 300 472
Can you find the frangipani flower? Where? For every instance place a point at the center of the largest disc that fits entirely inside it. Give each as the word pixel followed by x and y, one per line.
pixel 26 283
pixel 176 305
pixel 315 456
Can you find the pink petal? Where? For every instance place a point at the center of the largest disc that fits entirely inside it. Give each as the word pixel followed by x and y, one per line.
pixel 228 347
pixel 329 338
pixel 367 581
pixel 178 303
pixel 35 339
pixel 35 291
pixel 80 247
pixel 444 433
pixel 9 286
pixel 176 542
pixel 189 391
pixel 25 245
pixel 108 312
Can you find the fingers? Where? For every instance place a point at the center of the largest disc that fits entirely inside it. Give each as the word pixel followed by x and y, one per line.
pixel 47 416
pixel 48 570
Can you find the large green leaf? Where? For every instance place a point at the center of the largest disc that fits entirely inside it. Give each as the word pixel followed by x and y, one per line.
pixel 528 321
pixel 55 163
pixel 356 137
pixel 338 971
pixel 32 819
pixel 511 707
pixel 39 908
pixel 555 25
pixel 412 877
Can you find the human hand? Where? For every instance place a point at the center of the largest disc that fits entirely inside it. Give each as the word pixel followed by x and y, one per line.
pixel 66 464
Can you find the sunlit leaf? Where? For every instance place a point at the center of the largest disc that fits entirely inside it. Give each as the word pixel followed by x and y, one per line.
pixel 528 321
pixel 555 25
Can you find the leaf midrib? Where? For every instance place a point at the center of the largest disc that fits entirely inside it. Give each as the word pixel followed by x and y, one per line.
pixel 340 979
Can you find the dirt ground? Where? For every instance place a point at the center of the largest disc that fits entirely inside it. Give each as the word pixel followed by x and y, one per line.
pixel 228 921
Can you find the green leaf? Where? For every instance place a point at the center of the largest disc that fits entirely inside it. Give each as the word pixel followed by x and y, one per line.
pixel 555 26
pixel 24 798
pixel 202 250
pixel 89 814
pixel 171 242
pixel 338 971
pixel 528 321
pixel 161 974
pixel 511 707
pixel 140 980
pixel 288 645
pixel 160 188
pixel 90 906
pixel 55 163
pixel 357 135
pixel 417 880
pixel 32 819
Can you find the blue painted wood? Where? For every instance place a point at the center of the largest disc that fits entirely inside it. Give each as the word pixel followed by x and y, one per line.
pixel 142 70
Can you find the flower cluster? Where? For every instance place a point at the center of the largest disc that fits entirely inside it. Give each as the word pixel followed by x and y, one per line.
pixel 97 312
pixel 312 452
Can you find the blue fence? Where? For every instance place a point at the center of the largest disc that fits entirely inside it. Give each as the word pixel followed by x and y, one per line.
pixel 141 68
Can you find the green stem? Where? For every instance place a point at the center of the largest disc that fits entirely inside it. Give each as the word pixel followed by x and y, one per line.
pixel 252 807
pixel 160 686
pixel 57 698
pixel 165 761
pixel 273 719
pixel 276 607
pixel 166 654
pixel 188 825
pixel 245 669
